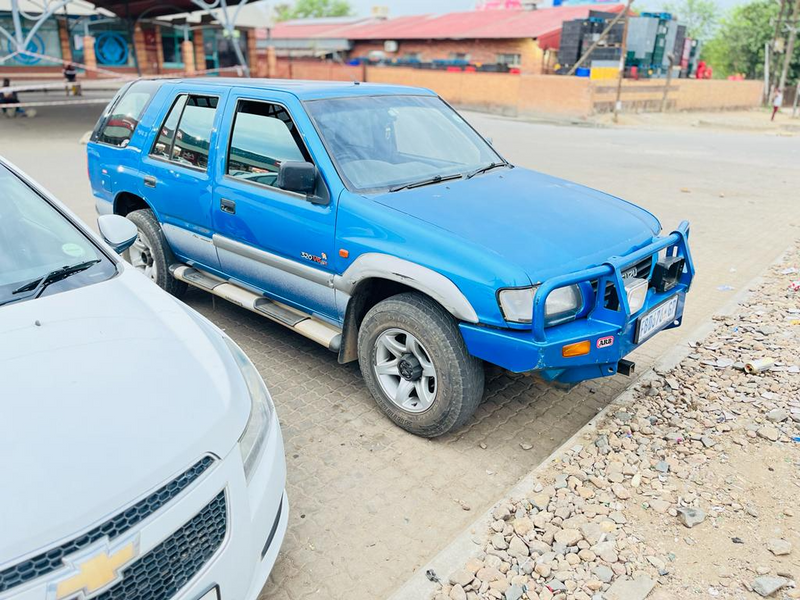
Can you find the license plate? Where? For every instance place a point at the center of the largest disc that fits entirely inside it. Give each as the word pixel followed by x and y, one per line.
pixel 655 319
pixel 210 595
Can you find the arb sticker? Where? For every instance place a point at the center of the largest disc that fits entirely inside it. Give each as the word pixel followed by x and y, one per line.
pixel 605 342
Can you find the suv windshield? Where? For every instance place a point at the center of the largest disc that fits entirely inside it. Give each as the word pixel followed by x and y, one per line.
pixel 37 240
pixel 380 142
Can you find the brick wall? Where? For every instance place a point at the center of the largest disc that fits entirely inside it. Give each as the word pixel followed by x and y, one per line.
pixel 538 94
pixel 479 51
pixel 318 70
pixel 684 94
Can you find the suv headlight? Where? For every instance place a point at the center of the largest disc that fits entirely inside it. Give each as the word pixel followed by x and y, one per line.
pixel 561 305
pixel 252 440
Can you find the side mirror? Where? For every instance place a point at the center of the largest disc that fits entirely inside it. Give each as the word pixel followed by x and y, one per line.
pixel 117 231
pixel 296 176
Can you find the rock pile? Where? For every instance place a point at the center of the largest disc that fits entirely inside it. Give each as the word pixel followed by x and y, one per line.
pixel 572 537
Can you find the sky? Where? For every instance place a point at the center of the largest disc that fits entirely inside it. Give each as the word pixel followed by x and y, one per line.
pixel 417 7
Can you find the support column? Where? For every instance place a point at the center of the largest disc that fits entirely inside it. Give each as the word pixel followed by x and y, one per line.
pixel 140 51
pixel 272 62
pixel 199 51
pixel 187 52
pixel 251 51
pixel 89 58
pixel 159 49
pixel 63 38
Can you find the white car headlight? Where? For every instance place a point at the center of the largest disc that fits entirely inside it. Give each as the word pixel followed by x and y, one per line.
pixel 252 440
pixel 561 305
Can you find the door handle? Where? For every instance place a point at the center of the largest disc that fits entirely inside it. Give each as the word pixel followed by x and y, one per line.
pixel 227 206
pixel 150 181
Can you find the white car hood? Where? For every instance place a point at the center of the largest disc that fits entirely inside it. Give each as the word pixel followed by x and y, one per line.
pixel 106 392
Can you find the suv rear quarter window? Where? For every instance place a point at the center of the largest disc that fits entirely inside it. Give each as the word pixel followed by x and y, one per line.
pixel 185 135
pixel 121 118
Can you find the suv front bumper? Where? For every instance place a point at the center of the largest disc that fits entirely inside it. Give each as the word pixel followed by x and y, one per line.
pixel 610 333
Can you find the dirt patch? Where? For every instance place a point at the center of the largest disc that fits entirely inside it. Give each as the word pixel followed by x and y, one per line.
pixel 688 489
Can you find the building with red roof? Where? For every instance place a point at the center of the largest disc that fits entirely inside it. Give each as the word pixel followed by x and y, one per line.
pixel 523 39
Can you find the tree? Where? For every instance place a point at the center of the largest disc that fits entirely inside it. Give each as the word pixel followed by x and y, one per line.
pixel 310 9
pixel 699 16
pixel 738 46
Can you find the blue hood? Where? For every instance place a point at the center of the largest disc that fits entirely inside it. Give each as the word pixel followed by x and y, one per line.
pixel 545 225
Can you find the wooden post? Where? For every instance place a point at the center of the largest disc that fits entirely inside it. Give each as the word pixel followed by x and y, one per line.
pixel 618 101
pixel 671 59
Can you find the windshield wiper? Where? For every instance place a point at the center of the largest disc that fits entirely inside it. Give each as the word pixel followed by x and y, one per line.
pixel 38 285
pixel 486 168
pixel 429 181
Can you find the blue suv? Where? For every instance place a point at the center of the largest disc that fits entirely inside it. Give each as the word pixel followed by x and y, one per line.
pixel 376 221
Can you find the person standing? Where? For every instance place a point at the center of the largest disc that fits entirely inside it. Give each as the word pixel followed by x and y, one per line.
pixel 777 102
pixel 8 96
pixel 71 74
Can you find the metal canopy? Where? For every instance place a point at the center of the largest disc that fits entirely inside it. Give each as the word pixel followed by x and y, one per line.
pixel 134 9
pixel 19 39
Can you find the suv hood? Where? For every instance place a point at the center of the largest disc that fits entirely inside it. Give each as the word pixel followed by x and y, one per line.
pixel 545 225
pixel 106 392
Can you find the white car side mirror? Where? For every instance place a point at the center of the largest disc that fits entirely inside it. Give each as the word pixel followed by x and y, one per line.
pixel 117 231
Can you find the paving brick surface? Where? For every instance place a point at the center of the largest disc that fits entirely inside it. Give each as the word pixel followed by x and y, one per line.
pixel 370 503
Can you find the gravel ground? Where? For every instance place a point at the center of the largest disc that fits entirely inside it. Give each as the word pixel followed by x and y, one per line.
pixel 687 489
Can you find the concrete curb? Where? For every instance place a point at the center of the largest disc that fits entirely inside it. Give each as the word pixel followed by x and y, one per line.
pixel 456 554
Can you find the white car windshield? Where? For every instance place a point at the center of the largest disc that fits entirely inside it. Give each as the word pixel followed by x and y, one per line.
pixel 389 142
pixel 36 241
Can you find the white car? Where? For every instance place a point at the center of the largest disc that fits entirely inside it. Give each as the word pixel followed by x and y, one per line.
pixel 140 454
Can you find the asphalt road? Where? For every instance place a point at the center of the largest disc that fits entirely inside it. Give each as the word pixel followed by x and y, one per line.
pixel 370 503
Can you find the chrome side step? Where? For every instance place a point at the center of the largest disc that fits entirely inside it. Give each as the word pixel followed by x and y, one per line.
pixel 318 331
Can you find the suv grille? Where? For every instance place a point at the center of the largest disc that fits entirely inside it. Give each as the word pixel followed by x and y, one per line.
pixel 52 560
pixel 163 571
pixel 641 269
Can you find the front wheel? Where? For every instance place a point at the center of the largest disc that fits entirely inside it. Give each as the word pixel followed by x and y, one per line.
pixel 151 255
pixel 415 364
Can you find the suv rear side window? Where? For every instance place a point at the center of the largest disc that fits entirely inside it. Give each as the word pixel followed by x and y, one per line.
pixel 118 123
pixel 163 144
pixel 194 132
pixel 263 137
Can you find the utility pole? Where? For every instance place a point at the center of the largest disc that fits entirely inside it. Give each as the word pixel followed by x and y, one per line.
pixel 796 96
pixel 770 55
pixel 618 101
pixel 787 59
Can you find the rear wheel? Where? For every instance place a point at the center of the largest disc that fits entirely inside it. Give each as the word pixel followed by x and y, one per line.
pixel 151 255
pixel 417 367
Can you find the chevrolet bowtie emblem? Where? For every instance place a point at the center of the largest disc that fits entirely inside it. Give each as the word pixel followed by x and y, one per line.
pixel 94 570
